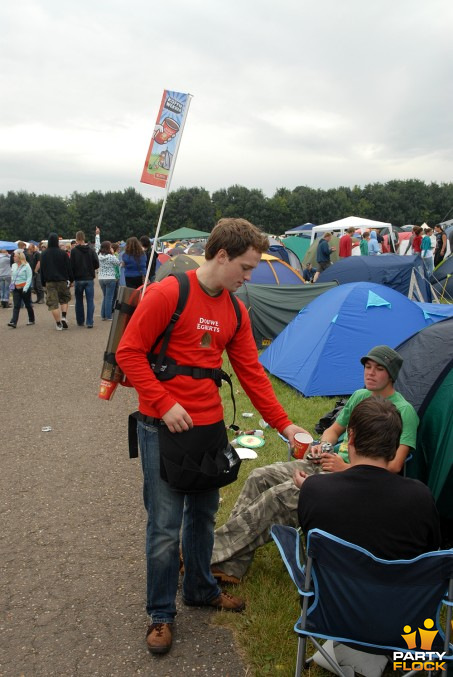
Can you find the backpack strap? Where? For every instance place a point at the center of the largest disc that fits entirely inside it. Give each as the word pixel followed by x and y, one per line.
pixel 183 281
pixel 170 368
pixel 237 310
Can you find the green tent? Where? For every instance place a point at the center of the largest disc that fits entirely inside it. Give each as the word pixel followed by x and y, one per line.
pixel 310 254
pixel 298 245
pixel 184 234
pixel 271 307
pixel 435 445
pixel 426 381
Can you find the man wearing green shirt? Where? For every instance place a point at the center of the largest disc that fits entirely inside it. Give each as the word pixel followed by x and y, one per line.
pixel 270 495
pixel 381 367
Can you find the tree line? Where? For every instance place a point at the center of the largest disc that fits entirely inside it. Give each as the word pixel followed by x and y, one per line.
pixel 120 214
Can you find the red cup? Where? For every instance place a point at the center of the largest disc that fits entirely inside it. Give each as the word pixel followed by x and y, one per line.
pixel 301 443
pixel 106 389
pixel 170 129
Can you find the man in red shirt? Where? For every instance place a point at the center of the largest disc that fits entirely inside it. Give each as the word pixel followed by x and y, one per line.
pixel 207 326
pixel 345 248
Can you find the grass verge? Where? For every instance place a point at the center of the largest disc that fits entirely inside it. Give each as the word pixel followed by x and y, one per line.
pixel 265 631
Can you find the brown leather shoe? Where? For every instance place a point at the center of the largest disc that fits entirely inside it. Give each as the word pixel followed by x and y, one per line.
pixel 222 577
pixel 228 602
pixel 159 637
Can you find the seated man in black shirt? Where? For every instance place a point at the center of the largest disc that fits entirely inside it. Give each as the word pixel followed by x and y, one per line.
pixel 391 516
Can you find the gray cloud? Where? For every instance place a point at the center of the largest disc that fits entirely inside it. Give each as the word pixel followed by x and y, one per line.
pixel 298 92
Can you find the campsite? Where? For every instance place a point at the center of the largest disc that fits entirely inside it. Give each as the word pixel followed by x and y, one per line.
pixel 331 313
pixel 177 315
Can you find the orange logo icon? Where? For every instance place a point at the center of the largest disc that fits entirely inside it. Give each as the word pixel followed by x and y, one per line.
pixel 427 636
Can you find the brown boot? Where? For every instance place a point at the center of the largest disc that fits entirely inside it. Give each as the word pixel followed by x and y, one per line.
pixel 228 602
pixel 159 637
pixel 224 578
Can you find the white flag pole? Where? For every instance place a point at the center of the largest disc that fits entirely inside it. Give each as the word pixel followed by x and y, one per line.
pixel 167 188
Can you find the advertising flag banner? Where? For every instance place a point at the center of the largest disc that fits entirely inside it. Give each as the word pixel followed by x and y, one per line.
pixel 165 140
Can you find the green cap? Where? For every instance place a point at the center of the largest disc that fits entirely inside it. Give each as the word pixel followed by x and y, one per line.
pixel 386 357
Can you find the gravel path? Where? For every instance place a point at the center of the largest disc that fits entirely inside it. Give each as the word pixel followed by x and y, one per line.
pixel 72 567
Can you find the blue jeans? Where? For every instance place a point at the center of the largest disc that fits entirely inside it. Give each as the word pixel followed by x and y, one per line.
pixel 167 509
pixel 4 288
pixel 108 289
pixel 81 287
pixel 20 296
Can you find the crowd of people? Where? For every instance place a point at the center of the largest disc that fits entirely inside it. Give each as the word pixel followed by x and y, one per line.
pixel 51 269
pixel 430 243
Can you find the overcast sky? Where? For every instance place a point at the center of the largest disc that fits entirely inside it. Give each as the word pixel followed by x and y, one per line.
pixel 320 93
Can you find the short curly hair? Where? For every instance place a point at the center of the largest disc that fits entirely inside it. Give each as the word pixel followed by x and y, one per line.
pixel 235 236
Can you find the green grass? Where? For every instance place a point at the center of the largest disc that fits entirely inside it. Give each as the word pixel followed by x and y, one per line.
pixel 264 632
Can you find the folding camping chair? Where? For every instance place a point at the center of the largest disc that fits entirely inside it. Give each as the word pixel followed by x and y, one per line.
pixel 354 598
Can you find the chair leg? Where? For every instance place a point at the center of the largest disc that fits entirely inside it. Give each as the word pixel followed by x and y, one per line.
pixel 301 650
pixel 335 667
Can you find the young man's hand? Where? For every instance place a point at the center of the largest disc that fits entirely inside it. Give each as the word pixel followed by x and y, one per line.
pixel 299 477
pixel 291 430
pixel 177 419
pixel 332 463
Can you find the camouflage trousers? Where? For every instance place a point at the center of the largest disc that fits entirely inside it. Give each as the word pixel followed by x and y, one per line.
pixel 269 496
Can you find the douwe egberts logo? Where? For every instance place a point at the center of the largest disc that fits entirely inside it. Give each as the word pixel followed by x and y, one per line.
pixel 422 658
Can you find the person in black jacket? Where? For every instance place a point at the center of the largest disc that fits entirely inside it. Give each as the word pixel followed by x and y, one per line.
pixel 393 517
pixel 84 262
pixel 56 277
pixel 147 248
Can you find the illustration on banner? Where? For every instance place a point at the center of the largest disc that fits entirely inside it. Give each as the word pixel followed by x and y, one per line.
pixel 164 139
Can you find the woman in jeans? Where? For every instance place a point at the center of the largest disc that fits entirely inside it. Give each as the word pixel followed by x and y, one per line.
pixel 5 277
pixel 134 263
pixel 108 269
pixel 21 279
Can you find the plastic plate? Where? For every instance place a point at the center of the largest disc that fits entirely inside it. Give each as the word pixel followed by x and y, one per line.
pixel 250 441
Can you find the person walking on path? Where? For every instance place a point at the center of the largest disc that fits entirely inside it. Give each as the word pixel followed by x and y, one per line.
pixel 35 263
pixel 5 277
pixel 84 263
pixel 56 277
pixel 323 253
pixel 133 261
pixel 190 406
pixel 147 248
pixel 21 279
pixel 107 276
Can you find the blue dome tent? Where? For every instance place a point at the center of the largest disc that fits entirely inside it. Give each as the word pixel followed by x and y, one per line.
pixel 390 270
pixel 319 352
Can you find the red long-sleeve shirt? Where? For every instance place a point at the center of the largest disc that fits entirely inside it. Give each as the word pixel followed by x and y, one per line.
pixel 345 248
pixel 416 244
pixel 205 329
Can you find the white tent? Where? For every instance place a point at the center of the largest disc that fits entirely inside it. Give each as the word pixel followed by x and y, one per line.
pixel 340 227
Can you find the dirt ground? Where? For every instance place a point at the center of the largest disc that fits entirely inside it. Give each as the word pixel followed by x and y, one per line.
pixel 72 566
